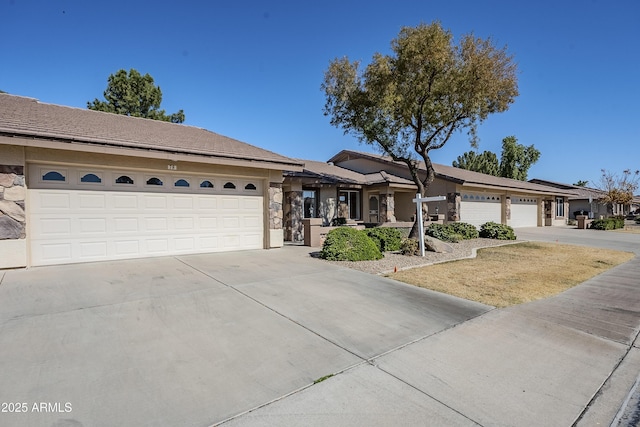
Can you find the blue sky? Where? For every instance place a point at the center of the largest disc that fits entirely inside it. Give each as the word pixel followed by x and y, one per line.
pixel 252 70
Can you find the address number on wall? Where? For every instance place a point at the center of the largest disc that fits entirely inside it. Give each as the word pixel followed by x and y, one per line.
pixel 172 167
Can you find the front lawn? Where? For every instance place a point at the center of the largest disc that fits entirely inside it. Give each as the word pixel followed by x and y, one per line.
pixel 514 274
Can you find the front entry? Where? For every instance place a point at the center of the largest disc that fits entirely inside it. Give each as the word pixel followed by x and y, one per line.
pixel 373 209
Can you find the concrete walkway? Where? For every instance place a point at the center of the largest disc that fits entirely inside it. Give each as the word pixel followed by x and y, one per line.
pixel 278 338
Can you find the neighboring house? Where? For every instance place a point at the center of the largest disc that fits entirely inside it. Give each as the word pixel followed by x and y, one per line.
pixel 79 185
pixel 374 189
pixel 586 199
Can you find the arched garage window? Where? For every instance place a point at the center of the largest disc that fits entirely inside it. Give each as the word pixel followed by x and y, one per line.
pixel 206 184
pixel 181 183
pixel 250 186
pixel 154 181
pixel 124 179
pixel 91 177
pixel 230 186
pixel 53 176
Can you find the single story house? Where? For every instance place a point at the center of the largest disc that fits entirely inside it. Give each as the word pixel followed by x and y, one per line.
pixel 79 185
pixel 375 189
pixel 589 200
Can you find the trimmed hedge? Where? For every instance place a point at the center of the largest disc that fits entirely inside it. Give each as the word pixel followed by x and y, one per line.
pixel 610 223
pixel 349 244
pixel 452 232
pixel 493 230
pixel 386 238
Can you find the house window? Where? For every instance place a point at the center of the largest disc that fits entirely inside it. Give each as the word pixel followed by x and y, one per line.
pixel 154 181
pixel 124 179
pixel 230 186
pixel 181 183
pixel 310 203
pixel 53 176
pixel 206 184
pixel 350 204
pixel 559 206
pixel 92 178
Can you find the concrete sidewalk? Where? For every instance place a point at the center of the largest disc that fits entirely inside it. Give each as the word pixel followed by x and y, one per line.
pixel 568 360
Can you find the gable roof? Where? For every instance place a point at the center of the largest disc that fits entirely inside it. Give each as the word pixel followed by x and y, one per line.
pixel 328 173
pixel 457 175
pixel 30 118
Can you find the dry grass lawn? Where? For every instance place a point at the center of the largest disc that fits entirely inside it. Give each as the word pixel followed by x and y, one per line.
pixel 513 274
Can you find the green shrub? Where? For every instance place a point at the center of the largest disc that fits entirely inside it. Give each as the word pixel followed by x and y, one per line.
pixel 409 246
pixel 610 223
pixel 637 219
pixel 467 231
pixel 492 230
pixel 386 238
pixel 452 232
pixel 349 244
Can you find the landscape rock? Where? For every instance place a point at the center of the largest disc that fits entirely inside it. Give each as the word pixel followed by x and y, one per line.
pixel 6 179
pixel 438 246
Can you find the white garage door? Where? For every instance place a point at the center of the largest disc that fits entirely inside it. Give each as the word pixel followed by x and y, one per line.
pixel 524 212
pixel 476 208
pixel 134 215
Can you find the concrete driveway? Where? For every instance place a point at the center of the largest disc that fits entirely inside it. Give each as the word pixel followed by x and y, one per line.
pixel 278 338
pixel 194 340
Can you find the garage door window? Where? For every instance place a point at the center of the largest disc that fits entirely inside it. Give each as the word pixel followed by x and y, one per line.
pixel 206 184
pixel 91 178
pixel 250 186
pixel 230 186
pixel 53 176
pixel 124 179
pixel 154 181
pixel 181 183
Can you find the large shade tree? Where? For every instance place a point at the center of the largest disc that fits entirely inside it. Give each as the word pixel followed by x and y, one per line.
pixel 411 101
pixel 133 94
pixel 486 162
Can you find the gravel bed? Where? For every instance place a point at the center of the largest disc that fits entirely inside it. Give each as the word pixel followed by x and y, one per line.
pixel 394 260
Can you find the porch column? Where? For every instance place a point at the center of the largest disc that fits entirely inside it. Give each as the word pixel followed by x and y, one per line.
pixel 293 214
pixel 387 208
pixel 507 210
pixel 453 207
pixel 276 235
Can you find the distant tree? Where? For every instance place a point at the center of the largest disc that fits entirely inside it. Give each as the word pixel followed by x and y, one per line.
pixel 515 161
pixel 133 94
pixel 485 162
pixel 412 100
pixel 618 189
pixel 581 183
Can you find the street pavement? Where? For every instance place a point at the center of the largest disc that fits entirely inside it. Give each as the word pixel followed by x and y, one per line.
pixel 279 338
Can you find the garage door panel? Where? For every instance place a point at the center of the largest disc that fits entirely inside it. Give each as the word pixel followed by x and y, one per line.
pixel 524 212
pixel 78 225
pixel 478 209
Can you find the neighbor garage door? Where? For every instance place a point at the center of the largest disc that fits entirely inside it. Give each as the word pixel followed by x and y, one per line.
pixel 524 212
pixel 80 215
pixel 476 208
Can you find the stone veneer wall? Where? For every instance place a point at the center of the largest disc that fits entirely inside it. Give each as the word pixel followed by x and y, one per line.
pixel 12 200
pixel 453 207
pixel 294 227
pixel 387 208
pixel 275 206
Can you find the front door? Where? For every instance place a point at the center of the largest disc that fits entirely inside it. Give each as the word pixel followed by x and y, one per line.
pixel 373 209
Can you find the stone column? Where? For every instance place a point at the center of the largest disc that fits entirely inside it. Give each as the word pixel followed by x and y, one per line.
pixel 387 208
pixel 12 200
pixel 453 207
pixel 276 235
pixel 507 209
pixel 293 214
